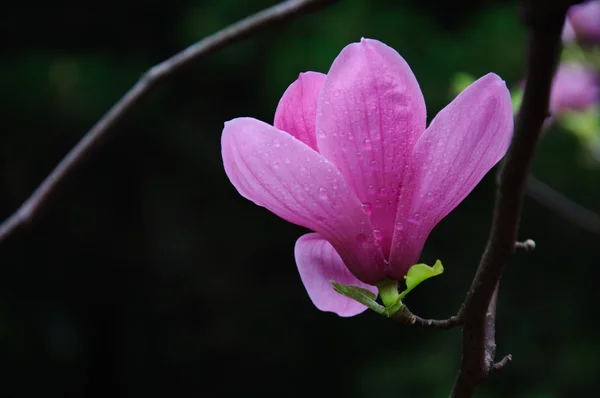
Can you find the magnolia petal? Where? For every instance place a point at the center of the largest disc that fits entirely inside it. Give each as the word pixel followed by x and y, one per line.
pixel 574 87
pixel 464 141
pixel 371 112
pixel 585 21
pixel 297 110
pixel 319 264
pixel 568 34
pixel 275 170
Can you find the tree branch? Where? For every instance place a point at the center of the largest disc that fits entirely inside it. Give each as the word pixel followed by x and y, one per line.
pixel 158 74
pixel 545 21
pixel 404 315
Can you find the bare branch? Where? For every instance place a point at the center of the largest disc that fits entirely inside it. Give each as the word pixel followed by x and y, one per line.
pixel 498 366
pixel 404 315
pixel 155 76
pixel 545 21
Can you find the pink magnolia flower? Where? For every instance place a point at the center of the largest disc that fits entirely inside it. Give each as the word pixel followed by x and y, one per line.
pixel 583 23
pixel 350 157
pixel 574 87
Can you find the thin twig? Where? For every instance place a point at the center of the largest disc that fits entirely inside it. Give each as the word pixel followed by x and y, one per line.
pixel 526 246
pixel 498 366
pixel 404 315
pixel 545 20
pixel 105 127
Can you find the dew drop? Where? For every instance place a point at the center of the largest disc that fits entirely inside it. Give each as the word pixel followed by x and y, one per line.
pixel 399 226
pixel 287 161
pixel 378 203
pixel 366 207
pixel 372 189
pixel 377 235
pixel 414 219
pixel 276 143
pixel 323 193
pixel 382 192
pixel 367 143
pixel 374 164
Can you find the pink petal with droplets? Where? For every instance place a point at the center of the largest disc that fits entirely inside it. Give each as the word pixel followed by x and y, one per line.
pixel 464 141
pixel 371 112
pixel 277 171
pixel 297 110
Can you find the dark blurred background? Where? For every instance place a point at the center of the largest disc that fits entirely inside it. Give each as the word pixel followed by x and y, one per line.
pixel 151 277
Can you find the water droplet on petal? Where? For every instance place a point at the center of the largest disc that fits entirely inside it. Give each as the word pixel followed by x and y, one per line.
pixel 366 207
pixel 374 164
pixel 276 143
pixel 323 193
pixel 382 192
pixel 367 143
pixel 377 234
pixel 399 226
pixel 378 203
pixel 372 189
pixel 414 219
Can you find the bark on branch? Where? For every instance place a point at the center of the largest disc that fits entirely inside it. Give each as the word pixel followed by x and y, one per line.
pixel 545 21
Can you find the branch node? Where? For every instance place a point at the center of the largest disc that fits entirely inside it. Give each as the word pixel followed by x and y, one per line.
pixel 498 366
pixel 527 246
pixel 404 315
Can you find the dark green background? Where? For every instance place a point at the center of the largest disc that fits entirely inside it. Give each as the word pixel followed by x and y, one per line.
pixel 151 277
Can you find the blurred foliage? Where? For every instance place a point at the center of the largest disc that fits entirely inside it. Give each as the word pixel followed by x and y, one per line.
pixel 151 275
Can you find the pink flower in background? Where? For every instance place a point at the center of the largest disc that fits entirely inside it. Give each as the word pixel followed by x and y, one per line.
pixel 575 87
pixel 350 157
pixel 583 23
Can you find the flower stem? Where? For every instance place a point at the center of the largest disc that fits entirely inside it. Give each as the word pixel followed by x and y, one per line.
pixel 388 290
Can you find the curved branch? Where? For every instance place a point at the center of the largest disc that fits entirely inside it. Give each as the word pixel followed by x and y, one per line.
pixel 404 315
pixel 545 21
pixel 155 76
